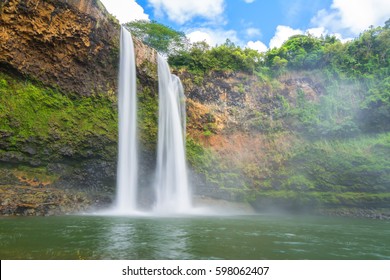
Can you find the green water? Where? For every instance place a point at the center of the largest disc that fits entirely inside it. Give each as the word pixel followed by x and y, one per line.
pixel 236 237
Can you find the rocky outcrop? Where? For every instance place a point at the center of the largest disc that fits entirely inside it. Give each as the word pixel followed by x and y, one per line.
pixel 58 66
pixel 72 45
pixel 68 44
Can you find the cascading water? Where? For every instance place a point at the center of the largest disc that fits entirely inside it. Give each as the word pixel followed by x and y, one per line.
pixel 172 189
pixel 126 197
pixel 171 184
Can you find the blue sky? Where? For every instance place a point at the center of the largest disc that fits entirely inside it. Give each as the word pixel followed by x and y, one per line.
pixel 258 24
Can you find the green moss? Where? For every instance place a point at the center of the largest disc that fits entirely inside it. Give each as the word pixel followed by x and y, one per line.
pixel 353 173
pixel 148 118
pixel 42 118
pixel 205 162
pixel 39 174
pixel 198 78
pixel 326 199
pixel 199 157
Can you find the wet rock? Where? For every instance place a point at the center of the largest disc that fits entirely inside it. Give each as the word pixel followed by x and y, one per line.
pixel 71 40
pixel 66 151
pixel 30 150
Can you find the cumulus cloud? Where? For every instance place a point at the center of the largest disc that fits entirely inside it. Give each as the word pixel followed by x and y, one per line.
pixel 258 46
pixel 212 36
pixel 341 38
pixel 351 17
pixel 282 34
pixel 125 10
pixel 252 32
pixel 215 37
pixel 199 36
pixel 181 11
pixel 317 31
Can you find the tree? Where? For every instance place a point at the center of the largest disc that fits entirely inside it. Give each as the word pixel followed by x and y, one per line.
pixel 226 57
pixel 387 24
pixel 196 59
pixel 375 113
pixel 164 39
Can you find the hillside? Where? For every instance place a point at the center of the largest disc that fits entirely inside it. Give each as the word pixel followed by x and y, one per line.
pixel 301 128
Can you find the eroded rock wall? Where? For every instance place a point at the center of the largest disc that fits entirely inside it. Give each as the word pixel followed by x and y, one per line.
pixel 58 104
pixel 72 45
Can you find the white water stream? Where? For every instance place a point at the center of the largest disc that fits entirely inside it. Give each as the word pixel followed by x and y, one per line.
pixel 172 190
pixel 127 173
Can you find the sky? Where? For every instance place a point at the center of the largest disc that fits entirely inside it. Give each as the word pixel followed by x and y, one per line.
pixel 256 24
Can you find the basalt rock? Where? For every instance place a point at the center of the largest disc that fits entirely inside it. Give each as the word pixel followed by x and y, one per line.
pixel 72 45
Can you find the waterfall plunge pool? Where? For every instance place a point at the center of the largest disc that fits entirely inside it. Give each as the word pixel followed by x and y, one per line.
pixel 193 237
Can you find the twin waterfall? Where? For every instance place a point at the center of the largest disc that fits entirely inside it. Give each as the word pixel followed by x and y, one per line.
pixel 172 194
pixel 171 181
pixel 127 173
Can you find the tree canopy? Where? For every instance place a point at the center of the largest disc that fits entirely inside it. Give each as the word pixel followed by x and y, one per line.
pixel 164 39
pixel 226 57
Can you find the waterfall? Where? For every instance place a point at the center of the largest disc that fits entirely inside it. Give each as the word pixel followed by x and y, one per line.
pixel 172 189
pixel 126 197
pixel 171 185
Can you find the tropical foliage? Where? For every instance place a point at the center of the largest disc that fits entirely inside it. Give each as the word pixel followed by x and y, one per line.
pixel 164 39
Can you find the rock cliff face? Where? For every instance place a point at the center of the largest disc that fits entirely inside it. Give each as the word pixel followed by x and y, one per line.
pixel 66 138
pixel 69 44
pixel 241 121
pixel 58 123
pixel 58 127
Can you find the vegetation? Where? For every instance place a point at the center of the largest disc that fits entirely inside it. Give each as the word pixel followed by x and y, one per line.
pixel 164 39
pixel 200 58
pixel 355 74
pixel 148 119
pixel 35 120
pixel 336 173
pixel 342 157
pixel 215 171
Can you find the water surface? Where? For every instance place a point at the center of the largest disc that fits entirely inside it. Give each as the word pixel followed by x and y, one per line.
pixel 236 237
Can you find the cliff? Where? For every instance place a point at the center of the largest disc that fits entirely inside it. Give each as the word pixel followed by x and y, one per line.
pixel 58 126
pixel 270 141
pixel 279 143
pixel 70 44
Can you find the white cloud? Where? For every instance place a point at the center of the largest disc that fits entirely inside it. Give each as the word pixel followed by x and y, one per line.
pixel 341 38
pixel 317 31
pixel 258 46
pixel 125 10
pixel 282 34
pixel 181 11
pixel 212 36
pixel 249 1
pixel 215 37
pixel 252 32
pixel 199 36
pixel 351 17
